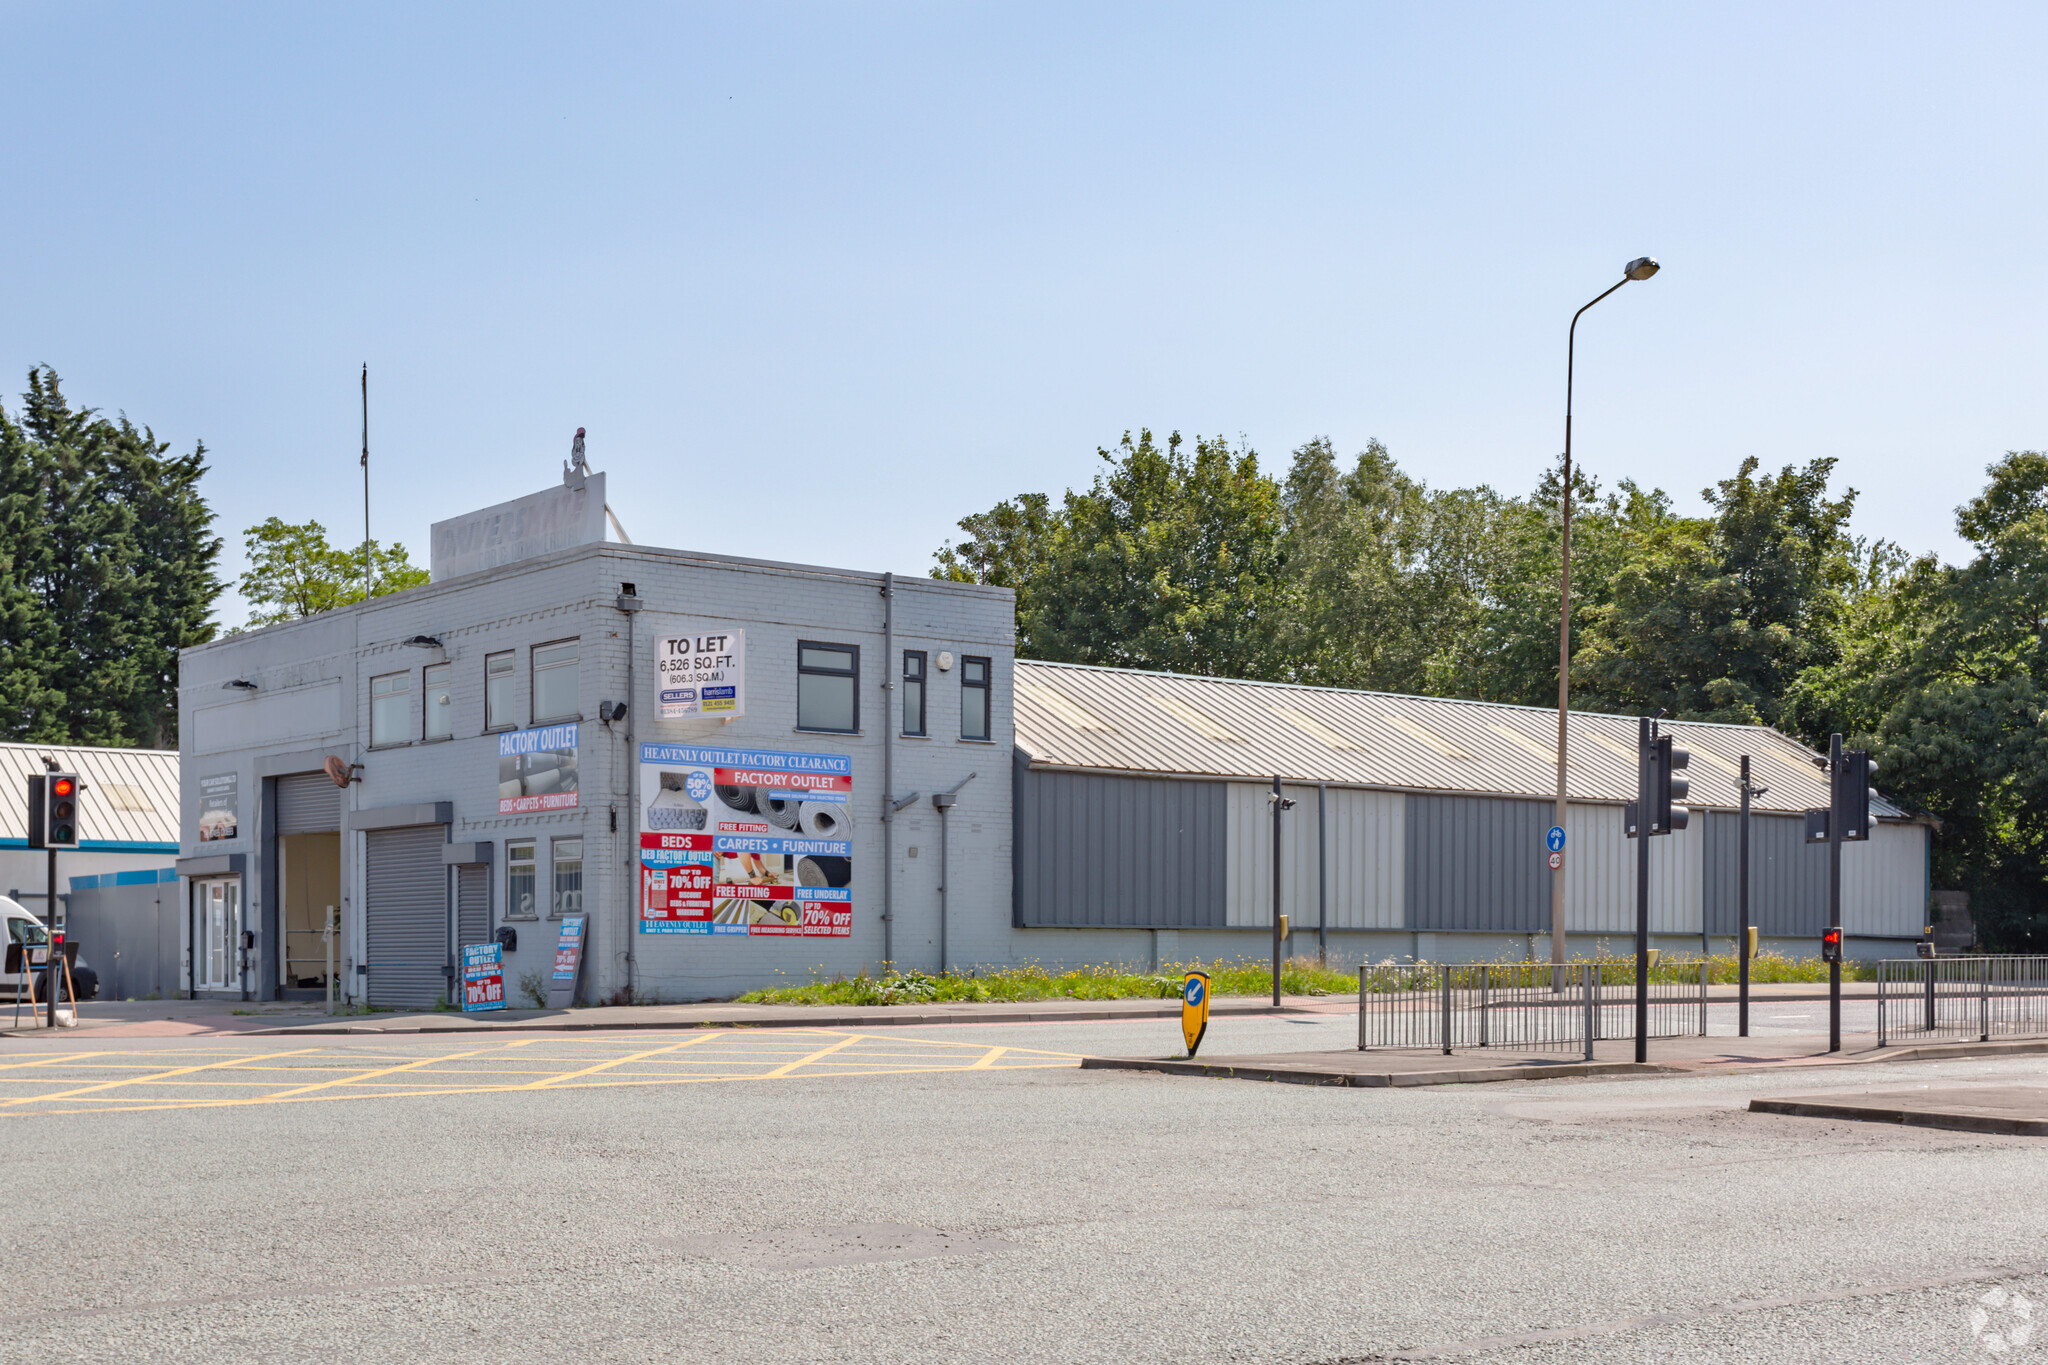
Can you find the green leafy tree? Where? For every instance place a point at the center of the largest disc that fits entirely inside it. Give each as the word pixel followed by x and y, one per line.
pixel 1712 618
pixel 110 570
pixel 293 571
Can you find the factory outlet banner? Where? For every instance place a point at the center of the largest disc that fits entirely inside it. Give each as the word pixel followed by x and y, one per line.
pixel 483 977
pixel 537 769
pixel 745 841
pixel 702 674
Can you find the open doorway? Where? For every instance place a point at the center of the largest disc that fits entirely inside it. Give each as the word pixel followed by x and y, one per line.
pixel 309 887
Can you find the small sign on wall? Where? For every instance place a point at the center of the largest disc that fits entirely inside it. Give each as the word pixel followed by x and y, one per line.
pixel 568 962
pixel 702 675
pixel 219 807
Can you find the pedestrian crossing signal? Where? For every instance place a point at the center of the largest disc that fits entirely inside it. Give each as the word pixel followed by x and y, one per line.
pixel 1831 944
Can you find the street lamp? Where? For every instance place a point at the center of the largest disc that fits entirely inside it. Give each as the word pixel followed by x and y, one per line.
pixel 1641 268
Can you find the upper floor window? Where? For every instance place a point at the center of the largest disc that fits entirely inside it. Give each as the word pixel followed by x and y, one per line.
pixel 498 679
pixel 913 691
pixel 827 687
pixel 391 708
pixel 974 695
pixel 554 682
pixel 440 701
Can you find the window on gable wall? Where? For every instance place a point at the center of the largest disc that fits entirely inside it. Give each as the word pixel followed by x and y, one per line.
pixel 913 691
pixel 827 687
pixel 974 697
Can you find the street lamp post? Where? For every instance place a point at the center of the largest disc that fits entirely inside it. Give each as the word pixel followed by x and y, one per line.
pixel 1641 268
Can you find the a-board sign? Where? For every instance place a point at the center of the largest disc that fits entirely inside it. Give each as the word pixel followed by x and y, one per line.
pixel 568 962
pixel 1194 1009
pixel 483 977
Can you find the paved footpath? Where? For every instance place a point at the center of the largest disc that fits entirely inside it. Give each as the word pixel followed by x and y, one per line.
pixel 203 1018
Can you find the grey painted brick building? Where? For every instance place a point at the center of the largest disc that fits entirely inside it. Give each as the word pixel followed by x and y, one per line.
pixel 491 785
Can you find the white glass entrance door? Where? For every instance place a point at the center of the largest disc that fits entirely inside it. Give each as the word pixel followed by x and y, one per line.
pixel 218 923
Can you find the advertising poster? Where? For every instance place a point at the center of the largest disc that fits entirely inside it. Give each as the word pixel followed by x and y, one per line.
pixel 702 674
pixel 483 977
pixel 537 769
pixel 568 960
pixel 752 842
pixel 219 807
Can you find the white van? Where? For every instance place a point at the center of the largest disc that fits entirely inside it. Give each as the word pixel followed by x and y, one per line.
pixel 31 933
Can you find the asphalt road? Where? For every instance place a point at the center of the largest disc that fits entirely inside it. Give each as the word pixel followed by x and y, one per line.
pixel 385 1200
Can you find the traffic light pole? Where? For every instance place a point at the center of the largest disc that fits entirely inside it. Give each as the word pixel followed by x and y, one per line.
pixel 1645 733
pixel 1742 903
pixel 1836 822
pixel 56 968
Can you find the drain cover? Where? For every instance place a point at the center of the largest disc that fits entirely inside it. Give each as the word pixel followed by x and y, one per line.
pixel 847 1244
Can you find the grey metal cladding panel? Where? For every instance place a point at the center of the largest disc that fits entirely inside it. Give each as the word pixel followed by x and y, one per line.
pixel 308 803
pixel 1788 877
pixel 1099 851
pixel 1477 863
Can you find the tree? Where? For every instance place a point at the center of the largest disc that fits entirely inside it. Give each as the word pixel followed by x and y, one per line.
pixel 109 570
pixel 294 572
pixel 1170 560
pixel 1712 618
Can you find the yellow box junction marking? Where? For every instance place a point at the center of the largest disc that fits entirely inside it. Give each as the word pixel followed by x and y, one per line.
pixel 543 1063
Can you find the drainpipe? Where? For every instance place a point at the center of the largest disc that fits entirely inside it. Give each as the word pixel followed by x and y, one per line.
pixel 889 806
pixel 630 604
pixel 943 802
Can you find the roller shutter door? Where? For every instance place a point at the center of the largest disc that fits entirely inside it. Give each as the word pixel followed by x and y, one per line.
pixel 406 916
pixel 472 905
pixel 308 803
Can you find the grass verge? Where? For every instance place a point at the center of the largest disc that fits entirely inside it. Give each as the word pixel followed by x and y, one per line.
pixel 1241 976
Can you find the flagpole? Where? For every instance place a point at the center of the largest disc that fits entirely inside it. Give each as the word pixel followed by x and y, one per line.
pixel 366 481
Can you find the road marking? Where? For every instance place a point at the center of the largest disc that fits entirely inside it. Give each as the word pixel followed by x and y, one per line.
pixel 619 1061
pixel 373 1075
pixel 848 1041
pixel 143 1080
pixel 987 1059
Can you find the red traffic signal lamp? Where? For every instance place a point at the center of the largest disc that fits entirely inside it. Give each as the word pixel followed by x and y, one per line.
pixel 60 818
pixel 1831 943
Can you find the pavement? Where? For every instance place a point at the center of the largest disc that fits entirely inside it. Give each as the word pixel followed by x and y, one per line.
pixel 2017 1109
pixel 206 1018
pixel 820 1195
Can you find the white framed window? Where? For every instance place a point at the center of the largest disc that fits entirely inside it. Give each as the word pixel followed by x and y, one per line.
pixel 390 709
pixel 568 871
pixel 554 682
pixel 498 680
pixel 440 690
pixel 519 880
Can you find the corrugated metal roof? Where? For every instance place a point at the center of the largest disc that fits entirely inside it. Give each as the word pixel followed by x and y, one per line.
pixel 1075 716
pixel 130 797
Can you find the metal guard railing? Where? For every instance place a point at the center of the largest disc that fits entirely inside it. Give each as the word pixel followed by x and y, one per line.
pixel 1966 999
pixel 1525 1006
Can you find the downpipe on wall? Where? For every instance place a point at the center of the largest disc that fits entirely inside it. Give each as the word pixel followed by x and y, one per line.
pixel 943 802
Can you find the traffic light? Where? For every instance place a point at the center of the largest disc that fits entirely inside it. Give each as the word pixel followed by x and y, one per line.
pixel 60 810
pixel 1849 794
pixel 1831 943
pixel 1663 792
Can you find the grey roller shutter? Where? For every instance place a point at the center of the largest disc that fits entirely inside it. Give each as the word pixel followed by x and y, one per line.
pixel 406 915
pixel 472 905
pixel 308 803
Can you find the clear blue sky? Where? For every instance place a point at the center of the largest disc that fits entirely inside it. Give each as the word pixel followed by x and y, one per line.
pixel 820 280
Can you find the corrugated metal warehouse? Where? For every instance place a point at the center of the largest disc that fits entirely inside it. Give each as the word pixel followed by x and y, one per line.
pixel 1141 803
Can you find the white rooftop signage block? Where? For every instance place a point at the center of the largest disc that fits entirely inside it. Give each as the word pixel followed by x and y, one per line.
pixel 524 528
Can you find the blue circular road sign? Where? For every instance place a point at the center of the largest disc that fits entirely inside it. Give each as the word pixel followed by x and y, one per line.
pixel 1194 990
pixel 1555 839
